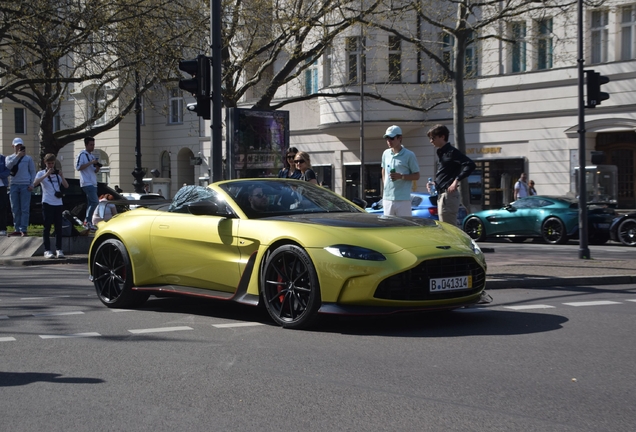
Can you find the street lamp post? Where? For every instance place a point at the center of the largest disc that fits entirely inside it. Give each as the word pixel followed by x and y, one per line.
pixel 138 173
pixel 584 250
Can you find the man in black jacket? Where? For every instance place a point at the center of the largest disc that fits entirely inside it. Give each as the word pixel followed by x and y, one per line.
pixel 454 166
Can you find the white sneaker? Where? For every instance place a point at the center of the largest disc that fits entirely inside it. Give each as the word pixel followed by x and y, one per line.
pixel 59 254
pixel 3 233
pixel 48 254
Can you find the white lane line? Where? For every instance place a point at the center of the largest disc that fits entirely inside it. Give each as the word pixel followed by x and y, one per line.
pixel 4 317
pixel 244 324
pixel 7 339
pixel 58 314
pixel 44 298
pixel 160 330
pixel 75 335
pixel 592 303
pixel 528 307
pixel 631 300
pixel 123 310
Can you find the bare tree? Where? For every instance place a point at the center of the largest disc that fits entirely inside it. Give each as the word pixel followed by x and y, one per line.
pixel 102 53
pixel 460 24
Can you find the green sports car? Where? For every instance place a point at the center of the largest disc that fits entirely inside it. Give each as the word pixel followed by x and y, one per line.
pixel 554 219
pixel 296 248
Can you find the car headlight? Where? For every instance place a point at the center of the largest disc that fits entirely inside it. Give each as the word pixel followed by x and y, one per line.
pixel 476 249
pixel 355 252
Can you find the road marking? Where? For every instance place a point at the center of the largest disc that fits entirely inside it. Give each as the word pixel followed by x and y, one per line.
pixel 58 314
pixel 7 339
pixel 471 309
pixel 75 335
pixel 4 317
pixel 123 310
pixel 631 300
pixel 244 324
pixel 159 330
pixel 44 298
pixel 527 307
pixel 592 303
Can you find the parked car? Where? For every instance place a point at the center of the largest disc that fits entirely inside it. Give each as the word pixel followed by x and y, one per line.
pixel 623 229
pixel 422 206
pixel 554 219
pixel 74 200
pixel 303 251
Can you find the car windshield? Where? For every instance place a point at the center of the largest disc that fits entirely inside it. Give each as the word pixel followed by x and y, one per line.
pixel 265 198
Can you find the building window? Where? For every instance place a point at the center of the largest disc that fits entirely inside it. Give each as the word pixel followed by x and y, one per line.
pixel 628 32
pixel 518 32
pixel 355 60
pixel 175 103
pixel 470 57
pixel 395 59
pixel 20 120
pixel 57 122
pixel 600 33
pixel 311 78
pixel 326 66
pixel 544 44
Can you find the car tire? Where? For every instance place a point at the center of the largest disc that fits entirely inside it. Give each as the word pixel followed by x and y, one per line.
pixel 289 287
pixel 474 227
pixel 113 277
pixel 627 232
pixel 553 231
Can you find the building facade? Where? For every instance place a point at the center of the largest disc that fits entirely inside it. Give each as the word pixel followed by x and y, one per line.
pixel 521 110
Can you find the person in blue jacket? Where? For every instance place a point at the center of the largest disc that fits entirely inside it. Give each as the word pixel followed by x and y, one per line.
pixel 4 199
pixel 22 171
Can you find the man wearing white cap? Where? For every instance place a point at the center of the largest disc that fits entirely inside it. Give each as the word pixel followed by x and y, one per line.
pixel 399 170
pixel 22 176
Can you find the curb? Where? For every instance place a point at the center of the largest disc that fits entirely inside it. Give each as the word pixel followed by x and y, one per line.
pixel 540 281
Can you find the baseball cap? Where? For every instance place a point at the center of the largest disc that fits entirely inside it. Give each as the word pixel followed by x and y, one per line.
pixel 17 141
pixel 392 131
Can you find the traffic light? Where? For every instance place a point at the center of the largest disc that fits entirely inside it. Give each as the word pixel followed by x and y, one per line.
pixel 199 85
pixel 594 81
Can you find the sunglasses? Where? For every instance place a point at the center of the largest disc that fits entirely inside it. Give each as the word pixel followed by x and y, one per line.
pixel 290 157
pixel 260 195
pixel 392 138
pixel 299 161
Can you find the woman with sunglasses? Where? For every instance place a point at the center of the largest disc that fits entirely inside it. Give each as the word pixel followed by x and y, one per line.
pixel 303 164
pixel 289 170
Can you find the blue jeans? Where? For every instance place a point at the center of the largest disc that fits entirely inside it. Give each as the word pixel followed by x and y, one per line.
pixel 92 201
pixel 20 204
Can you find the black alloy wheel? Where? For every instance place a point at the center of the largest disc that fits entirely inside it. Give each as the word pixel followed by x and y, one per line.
pixel 112 276
pixel 474 227
pixel 289 286
pixel 553 231
pixel 627 232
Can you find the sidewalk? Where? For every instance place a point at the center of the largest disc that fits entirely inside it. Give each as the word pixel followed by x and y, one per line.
pixel 505 269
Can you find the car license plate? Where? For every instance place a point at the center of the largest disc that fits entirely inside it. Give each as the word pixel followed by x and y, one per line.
pixel 603 225
pixel 451 283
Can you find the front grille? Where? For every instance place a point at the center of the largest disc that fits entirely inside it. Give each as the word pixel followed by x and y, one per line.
pixel 414 284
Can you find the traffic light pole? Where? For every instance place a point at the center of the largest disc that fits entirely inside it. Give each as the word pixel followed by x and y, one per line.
pixel 584 250
pixel 216 149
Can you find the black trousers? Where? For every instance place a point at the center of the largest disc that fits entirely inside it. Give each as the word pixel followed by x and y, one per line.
pixel 52 216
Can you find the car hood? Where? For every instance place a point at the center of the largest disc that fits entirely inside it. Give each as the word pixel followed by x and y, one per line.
pixel 398 233
pixel 355 220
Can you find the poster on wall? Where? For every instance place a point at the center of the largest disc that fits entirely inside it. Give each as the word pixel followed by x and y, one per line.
pixel 257 141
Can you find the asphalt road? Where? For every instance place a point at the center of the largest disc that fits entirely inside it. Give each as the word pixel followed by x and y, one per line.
pixel 551 359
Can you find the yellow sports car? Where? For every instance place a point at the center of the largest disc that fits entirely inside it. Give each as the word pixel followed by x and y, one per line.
pixel 294 247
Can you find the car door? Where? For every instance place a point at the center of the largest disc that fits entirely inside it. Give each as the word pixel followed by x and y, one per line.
pixel 514 219
pixel 197 251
